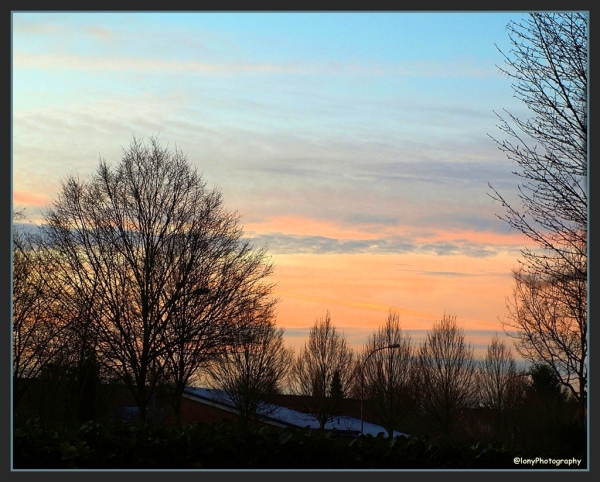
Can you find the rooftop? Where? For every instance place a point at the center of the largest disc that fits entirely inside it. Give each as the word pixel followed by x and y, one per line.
pixel 292 417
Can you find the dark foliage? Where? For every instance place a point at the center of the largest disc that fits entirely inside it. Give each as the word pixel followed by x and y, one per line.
pixel 226 445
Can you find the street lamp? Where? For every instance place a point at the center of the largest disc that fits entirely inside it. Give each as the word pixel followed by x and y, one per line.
pixel 362 379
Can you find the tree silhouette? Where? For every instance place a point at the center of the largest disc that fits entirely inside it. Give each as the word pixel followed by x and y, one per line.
pixel 159 262
pixel 497 388
pixel 336 390
pixel 39 331
pixel 254 367
pixel 444 374
pixel 387 373
pixel 323 355
pixel 548 310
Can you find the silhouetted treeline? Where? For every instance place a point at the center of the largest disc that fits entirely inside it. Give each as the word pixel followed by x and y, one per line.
pixel 140 278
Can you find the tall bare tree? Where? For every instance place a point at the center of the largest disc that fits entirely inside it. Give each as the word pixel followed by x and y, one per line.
pixel 445 374
pixel 255 367
pixel 548 63
pixel 386 373
pixel 234 274
pixel 149 247
pixel 498 387
pixel 53 369
pixel 495 371
pixel 41 329
pixel 323 355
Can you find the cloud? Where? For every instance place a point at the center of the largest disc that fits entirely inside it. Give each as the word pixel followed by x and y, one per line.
pixel 135 64
pixel 282 243
pixel 30 199
pixel 292 243
pixel 102 62
pixel 454 249
pixel 28 228
pixel 451 274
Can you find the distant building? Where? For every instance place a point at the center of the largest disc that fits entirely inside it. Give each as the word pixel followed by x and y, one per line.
pixel 206 405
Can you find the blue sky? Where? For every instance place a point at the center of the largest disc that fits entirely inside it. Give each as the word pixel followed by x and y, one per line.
pixel 355 143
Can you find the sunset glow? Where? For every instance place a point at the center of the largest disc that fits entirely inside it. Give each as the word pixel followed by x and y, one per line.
pixel 359 290
pixel 355 146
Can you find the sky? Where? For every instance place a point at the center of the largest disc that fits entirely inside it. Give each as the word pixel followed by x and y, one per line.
pixel 357 145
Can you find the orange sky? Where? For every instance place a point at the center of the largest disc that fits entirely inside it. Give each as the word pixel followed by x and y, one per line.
pixel 417 286
pixel 363 166
pixel 360 288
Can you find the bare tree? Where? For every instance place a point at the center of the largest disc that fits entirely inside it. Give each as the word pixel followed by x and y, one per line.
pixel 142 243
pixel 38 330
pixel 496 382
pixel 234 274
pixel 323 355
pixel 548 313
pixel 495 371
pixel 549 319
pixel 255 367
pixel 386 373
pixel 445 374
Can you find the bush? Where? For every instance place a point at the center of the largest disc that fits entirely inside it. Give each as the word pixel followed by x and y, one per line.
pixel 227 445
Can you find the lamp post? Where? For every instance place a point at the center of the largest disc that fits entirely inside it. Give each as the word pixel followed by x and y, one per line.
pixel 362 379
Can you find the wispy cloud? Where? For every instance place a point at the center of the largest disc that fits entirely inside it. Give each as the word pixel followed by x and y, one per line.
pixel 451 274
pixel 348 150
pixel 30 199
pixel 366 233
pixel 293 243
pixel 102 63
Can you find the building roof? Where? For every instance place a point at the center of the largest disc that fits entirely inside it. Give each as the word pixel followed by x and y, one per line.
pixel 283 416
